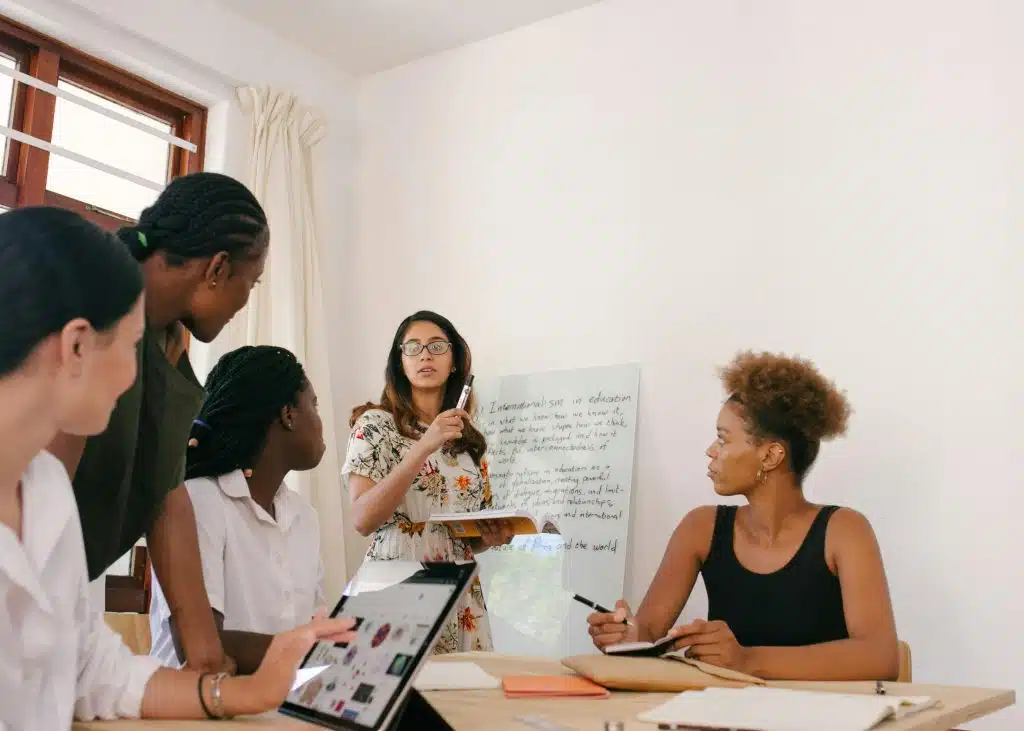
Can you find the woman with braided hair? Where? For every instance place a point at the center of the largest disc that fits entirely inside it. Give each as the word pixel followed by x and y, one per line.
pixel 69 350
pixel 796 591
pixel 201 247
pixel 259 541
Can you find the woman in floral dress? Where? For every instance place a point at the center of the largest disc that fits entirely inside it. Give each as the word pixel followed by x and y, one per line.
pixel 415 454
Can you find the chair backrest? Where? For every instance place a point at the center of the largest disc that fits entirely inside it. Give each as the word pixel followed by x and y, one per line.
pixel 130 593
pixel 906 674
pixel 133 628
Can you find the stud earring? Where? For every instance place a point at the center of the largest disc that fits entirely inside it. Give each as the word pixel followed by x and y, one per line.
pixel 193 442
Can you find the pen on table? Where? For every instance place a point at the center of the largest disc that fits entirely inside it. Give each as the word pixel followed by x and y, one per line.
pixel 599 608
pixel 464 396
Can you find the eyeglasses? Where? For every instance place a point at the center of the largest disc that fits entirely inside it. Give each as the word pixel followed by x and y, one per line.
pixel 415 347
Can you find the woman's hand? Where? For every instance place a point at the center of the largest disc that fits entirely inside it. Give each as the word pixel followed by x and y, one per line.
pixel 614 627
pixel 447 427
pixel 272 682
pixel 493 533
pixel 713 643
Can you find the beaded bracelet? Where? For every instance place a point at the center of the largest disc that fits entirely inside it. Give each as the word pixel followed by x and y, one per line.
pixel 218 704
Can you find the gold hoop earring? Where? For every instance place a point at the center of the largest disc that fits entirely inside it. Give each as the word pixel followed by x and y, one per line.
pixel 760 475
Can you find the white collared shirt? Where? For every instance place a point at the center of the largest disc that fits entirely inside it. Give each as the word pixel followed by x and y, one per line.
pixel 58 658
pixel 264 575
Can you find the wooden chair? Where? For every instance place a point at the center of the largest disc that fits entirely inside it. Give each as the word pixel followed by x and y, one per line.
pixel 905 673
pixel 133 628
pixel 127 603
pixel 130 593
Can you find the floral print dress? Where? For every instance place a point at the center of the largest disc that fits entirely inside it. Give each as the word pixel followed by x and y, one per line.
pixel 447 483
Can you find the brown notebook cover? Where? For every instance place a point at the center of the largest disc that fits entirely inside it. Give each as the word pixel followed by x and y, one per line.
pixel 671 673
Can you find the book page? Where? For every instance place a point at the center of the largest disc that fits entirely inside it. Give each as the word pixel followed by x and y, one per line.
pixel 776 709
pixel 442 675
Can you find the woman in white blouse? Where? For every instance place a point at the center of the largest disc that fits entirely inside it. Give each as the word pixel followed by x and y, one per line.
pixel 72 316
pixel 259 541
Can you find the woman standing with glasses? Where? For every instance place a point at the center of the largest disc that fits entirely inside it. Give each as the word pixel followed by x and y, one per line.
pixel 415 454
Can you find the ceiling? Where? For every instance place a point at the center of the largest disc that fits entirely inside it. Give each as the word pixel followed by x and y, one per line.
pixel 366 36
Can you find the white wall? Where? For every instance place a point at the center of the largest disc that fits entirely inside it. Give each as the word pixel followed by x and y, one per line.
pixel 197 49
pixel 672 182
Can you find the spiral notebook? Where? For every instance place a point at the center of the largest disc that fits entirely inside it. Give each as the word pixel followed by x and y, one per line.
pixel 757 708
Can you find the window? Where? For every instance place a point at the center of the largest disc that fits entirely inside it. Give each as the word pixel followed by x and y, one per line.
pixel 116 139
pixel 120 140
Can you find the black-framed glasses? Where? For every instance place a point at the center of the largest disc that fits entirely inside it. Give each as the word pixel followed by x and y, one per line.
pixel 434 347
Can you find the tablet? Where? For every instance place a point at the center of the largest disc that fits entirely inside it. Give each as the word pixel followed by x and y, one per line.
pixel 361 685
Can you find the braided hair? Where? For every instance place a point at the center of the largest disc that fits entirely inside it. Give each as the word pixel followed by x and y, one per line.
pixel 196 216
pixel 246 391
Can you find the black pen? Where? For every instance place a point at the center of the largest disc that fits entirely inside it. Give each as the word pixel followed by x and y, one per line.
pixel 598 608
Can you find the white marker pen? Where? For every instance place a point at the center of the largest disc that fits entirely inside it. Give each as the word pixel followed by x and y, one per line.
pixel 464 396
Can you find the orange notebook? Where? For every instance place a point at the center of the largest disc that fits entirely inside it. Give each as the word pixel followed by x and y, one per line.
pixel 551 686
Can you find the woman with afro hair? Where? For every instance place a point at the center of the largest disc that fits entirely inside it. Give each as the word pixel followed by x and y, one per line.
pixel 795 590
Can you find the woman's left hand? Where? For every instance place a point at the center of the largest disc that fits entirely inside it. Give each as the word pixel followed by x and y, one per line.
pixel 494 533
pixel 713 643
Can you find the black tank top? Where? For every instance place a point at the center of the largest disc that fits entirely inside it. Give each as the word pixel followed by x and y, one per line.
pixel 800 604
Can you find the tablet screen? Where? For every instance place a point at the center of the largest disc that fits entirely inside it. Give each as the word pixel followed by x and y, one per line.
pixel 355 685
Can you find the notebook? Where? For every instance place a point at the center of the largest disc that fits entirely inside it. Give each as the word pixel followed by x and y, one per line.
pixel 670 673
pixel 438 675
pixel 780 709
pixel 551 686
pixel 641 649
pixel 524 523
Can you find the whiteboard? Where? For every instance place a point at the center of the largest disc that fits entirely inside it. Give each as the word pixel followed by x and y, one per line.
pixel 559 443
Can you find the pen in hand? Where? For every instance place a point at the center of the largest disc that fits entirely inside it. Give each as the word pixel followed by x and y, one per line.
pixel 599 608
pixel 464 396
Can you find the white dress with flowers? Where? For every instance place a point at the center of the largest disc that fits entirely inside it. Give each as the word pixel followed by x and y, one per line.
pixel 447 483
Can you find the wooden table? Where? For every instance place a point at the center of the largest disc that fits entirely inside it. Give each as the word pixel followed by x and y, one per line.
pixel 490 710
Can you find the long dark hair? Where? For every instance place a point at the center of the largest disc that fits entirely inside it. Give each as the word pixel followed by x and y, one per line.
pixel 397 396
pixel 55 267
pixel 246 391
pixel 196 216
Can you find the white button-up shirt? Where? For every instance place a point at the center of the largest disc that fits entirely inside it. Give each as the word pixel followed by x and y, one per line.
pixel 58 658
pixel 264 575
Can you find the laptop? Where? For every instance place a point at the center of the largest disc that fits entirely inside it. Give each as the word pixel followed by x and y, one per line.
pixel 400 610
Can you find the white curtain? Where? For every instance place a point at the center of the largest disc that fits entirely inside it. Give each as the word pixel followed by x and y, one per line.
pixel 287 308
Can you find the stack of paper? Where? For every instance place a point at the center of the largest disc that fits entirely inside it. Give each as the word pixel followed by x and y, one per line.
pixel 778 709
pixel 441 675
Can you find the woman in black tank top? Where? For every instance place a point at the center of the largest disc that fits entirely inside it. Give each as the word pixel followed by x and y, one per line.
pixel 795 590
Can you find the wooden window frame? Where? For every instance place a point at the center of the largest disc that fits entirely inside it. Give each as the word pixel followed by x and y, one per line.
pixel 23 182
pixel 23 179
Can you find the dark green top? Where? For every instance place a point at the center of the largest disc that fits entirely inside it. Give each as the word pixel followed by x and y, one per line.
pixel 127 471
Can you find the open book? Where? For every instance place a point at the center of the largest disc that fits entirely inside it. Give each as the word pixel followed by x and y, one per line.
pixel 463 525
pixel 780 709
